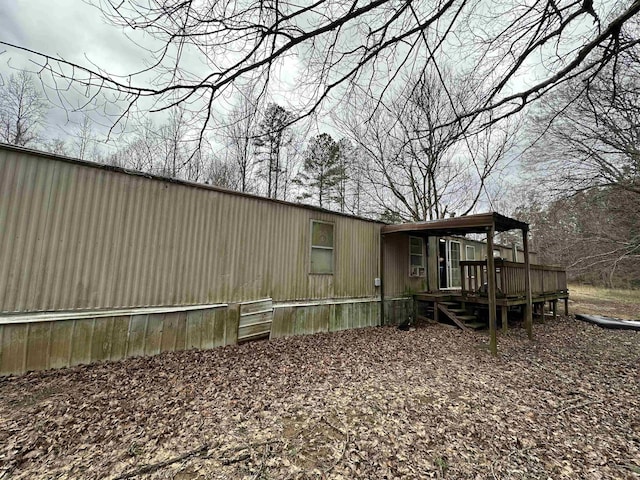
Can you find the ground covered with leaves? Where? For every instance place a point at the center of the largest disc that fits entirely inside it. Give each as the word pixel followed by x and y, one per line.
pixel 370 403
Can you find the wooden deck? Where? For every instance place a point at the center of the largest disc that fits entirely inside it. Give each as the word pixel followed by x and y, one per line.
pixel 548 284
pixel 546 280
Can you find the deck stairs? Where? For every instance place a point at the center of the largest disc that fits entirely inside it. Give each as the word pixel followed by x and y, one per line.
pixel 459 315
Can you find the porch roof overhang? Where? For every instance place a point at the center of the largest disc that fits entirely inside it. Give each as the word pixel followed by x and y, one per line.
pixel 479 223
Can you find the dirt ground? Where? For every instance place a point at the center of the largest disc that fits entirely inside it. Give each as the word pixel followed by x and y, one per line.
pixel 370 403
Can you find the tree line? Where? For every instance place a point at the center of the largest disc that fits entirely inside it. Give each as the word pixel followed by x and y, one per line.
pixel 257 150
pixel 583 175
pixel 392 164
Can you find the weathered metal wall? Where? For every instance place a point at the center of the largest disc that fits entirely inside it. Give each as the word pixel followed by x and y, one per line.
pixel 41 345
pixel 76 236
pixel 397 281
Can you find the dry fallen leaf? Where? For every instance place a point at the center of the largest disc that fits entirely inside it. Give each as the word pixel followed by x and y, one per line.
pixel 370 403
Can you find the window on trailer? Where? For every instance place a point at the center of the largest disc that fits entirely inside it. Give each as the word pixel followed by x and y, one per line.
pixel 322 247
pixel 470 274
pixel 470 252
pixel 416 257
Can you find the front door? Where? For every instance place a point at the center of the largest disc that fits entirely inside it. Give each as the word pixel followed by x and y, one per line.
pixel 442 263
pixel 449 264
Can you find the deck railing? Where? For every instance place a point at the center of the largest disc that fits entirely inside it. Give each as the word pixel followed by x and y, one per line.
pixel 510 278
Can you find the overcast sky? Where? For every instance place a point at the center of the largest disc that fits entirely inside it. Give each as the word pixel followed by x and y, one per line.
pixel 77 32
pixel 70 29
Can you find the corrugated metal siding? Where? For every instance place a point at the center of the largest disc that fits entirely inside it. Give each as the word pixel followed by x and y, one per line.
pixel 78 237
pixel 396 267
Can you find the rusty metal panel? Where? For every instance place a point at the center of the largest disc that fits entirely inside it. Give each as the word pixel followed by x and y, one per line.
pixel 77 236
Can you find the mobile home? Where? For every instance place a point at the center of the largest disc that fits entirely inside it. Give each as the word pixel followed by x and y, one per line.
pixel 100 263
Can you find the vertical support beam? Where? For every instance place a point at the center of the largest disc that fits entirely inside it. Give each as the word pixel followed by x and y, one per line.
pixel 554 306
pixel 504 310
pixel 566 306
pixel 381 280
pixel 491 280
pixel 426 263
pixel 528 313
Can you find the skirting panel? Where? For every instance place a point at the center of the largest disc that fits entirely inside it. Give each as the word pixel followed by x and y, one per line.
pixel 62 343
pixel 291 320
pixel 397 310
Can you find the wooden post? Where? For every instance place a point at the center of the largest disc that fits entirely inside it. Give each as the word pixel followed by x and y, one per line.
pixel 381 280
pixel 566 306
pixel 554 306
pixel 504 311
pixel 528 313
pixel 491 280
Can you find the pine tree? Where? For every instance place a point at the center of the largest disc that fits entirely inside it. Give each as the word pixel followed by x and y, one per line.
pixel 349 181
pixel 322 170
pixel 271 137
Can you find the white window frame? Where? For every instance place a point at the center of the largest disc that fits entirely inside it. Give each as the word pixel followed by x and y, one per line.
pixel 466 252
pixel 417 270
pixel 322 247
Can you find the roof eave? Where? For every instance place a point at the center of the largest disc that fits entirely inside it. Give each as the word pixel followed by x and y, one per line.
pixel 478 223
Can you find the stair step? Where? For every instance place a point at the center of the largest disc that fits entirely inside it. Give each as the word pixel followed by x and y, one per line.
pixel 449 303
pixel 457 310
pixel 475 325
pixel 466 318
